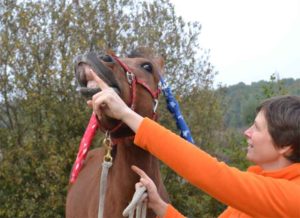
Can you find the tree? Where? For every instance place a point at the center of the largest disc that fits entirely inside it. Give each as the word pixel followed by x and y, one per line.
pixel 274 87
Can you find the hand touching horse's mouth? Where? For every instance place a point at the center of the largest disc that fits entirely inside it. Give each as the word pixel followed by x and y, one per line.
pixel 88 86
pixel 83 67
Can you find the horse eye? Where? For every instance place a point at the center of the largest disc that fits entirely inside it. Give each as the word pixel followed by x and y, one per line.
pixel 148 67
pixel 107 58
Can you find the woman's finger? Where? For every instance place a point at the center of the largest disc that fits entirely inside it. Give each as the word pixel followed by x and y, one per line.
pixel 140 172
pixel 90 103
pixel 99 81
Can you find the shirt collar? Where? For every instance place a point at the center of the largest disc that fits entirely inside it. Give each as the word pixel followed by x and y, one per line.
pixel 289 172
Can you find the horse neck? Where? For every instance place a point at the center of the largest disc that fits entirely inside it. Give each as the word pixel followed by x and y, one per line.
pixel 128 154
pixel 121 179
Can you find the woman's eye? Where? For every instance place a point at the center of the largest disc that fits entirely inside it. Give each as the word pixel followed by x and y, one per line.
pixel 148 67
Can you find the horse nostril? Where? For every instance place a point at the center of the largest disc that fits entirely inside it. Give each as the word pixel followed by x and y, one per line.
pixel 80 74
pixel 106 58
pixel 83 72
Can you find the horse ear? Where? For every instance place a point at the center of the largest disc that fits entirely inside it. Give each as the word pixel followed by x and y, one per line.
pixel 161 64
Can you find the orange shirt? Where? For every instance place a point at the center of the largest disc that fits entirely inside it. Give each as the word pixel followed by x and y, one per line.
pixel 255 193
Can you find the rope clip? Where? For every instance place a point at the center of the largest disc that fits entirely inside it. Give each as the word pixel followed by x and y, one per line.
pixel 107 143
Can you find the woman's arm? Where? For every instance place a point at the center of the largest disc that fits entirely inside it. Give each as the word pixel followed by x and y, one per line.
pixel 253 194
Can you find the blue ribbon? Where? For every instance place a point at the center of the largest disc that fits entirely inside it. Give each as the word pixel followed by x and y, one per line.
pixel 174 108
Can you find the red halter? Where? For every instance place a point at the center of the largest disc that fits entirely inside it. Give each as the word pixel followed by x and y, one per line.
pixel 133 81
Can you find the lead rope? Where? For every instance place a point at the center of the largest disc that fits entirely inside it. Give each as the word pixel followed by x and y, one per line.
pixel 137 204
pixel 106 164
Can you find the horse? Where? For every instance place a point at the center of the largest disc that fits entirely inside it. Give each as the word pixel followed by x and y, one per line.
pixel 135 78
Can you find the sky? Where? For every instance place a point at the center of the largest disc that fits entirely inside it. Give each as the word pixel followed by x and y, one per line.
pixel 249 40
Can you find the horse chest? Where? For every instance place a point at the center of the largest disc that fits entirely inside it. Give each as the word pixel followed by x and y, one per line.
pixel 83 196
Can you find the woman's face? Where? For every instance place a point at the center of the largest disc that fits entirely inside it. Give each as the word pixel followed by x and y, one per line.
pixel 261 149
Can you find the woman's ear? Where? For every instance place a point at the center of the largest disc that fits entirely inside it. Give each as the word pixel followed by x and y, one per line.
pixel 286 150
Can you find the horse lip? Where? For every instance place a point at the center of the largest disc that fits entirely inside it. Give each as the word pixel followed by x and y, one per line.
pixel 100 69
pixel 89 92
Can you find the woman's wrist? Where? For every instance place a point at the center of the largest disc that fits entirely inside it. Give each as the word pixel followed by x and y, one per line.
pixel 160 209
pixel 132 119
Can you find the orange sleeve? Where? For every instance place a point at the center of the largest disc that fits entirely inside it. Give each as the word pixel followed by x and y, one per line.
pixel 252 194
pixel 172 213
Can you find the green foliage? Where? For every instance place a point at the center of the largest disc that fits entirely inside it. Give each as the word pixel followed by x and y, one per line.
pixel 241 100
pixel 274 87
pixel 31 180
pixel 204 113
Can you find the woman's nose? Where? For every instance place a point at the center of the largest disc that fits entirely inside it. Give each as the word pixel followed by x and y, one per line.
pixel 248 132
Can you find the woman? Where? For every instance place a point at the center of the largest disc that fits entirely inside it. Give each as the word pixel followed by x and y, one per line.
pixel 271 188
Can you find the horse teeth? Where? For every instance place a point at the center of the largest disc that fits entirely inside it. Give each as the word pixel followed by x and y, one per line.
pixel 92 84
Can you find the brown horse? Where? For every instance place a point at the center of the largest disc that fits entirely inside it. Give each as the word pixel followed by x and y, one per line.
pixel 141 94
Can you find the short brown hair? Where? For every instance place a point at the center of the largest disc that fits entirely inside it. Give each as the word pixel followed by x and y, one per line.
pixel 283 119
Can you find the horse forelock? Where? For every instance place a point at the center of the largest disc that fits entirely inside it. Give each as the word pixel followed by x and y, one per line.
pixel 143 52
pixel 148 53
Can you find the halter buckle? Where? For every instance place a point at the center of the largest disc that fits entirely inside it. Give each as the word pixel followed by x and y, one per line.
pixel 130 77
pixel 155 105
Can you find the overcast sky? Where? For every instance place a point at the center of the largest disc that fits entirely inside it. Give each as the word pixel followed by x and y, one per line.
pixel 249 39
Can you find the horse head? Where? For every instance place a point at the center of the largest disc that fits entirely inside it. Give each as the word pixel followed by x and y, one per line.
pixel 135 78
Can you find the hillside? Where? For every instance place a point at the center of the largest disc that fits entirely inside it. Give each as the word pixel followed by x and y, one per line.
pixel 241 100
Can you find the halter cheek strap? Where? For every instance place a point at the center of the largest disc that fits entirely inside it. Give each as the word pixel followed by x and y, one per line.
pixel 131 78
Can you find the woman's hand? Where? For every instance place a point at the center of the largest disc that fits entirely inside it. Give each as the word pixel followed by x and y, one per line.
pixel 154 200
pixel 108 102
